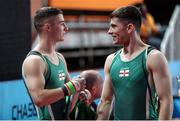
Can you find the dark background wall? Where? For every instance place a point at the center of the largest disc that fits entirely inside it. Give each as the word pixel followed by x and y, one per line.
pixel 161 9
pixel 14 37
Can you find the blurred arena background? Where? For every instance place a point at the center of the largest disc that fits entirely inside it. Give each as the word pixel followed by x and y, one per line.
pixel 86 46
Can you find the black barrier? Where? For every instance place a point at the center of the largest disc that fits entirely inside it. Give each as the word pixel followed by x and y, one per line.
pixel 15 37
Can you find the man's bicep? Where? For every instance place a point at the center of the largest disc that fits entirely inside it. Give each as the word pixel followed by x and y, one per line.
pixel 33 72
pixel 161 76
pixel 162 83
pixel 107 93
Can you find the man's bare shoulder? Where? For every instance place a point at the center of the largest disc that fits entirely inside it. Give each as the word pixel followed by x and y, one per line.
pixel 109 60
pixel 32 61
pixel 155 54
pixel 156 59
pixel 32 58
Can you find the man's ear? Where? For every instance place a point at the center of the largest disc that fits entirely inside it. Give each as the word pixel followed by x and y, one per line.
pixel 47 27
pixel 94 90
pixel 130 28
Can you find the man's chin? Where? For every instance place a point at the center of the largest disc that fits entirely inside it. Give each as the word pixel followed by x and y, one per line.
pixel 61 40
pixel 115 42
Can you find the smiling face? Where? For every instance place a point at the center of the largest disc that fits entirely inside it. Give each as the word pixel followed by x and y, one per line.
pixel 118 30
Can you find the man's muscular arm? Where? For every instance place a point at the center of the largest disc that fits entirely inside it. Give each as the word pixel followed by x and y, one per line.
pixel 104 108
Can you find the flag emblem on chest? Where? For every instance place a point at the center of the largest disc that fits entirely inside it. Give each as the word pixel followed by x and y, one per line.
pixel 61 76
pixel 124 73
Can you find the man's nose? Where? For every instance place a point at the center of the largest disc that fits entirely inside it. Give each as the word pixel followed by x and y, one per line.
pixel 66 28
pixel 109 31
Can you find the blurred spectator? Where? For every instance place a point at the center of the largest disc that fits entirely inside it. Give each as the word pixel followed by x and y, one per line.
pixel 150 33
pixel 85 109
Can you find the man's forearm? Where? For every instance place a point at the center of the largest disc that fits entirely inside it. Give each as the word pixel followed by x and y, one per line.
pixel 104 110
pixel 73 101
pixel 166 108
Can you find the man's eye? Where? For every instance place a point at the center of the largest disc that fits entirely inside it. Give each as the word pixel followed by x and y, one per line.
pixel 113 26
pixel 62 23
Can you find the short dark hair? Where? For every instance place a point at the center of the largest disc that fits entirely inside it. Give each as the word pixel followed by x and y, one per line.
pixel 92 77
pixel 130 14
pixel 44 13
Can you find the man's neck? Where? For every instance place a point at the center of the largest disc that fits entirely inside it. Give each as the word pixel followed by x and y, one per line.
pixel 45 48
pixel 135 44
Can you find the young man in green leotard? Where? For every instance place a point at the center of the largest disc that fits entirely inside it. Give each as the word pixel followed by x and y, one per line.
pixel 45 71
pixel 136 76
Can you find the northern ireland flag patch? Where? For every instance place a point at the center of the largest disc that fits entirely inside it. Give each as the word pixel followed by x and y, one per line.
pixel 124 73
pixel 61 76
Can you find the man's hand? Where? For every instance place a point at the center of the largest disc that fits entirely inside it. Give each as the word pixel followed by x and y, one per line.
pixel 85 96
pixel 81 81
pixel 76 85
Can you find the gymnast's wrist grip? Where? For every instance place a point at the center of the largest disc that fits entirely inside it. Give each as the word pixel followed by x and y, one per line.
pixel 71 87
